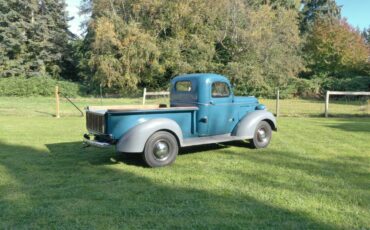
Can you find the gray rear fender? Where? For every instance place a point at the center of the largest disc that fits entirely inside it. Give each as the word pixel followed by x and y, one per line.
pixel 247 125
pixel 135 139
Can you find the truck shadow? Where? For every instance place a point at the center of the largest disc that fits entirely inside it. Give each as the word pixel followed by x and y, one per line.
pixel 201 148
pixel 137 159
pixel 67 186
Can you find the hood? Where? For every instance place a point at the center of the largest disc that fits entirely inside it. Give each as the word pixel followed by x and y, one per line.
pixel 246 100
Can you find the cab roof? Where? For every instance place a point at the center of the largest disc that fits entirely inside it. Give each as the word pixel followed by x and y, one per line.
pixel 202 76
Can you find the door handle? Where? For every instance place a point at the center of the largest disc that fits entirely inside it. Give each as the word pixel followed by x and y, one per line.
pixel 203 119
pixel 211 103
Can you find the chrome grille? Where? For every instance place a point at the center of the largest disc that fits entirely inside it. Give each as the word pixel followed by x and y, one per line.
pixel 95 123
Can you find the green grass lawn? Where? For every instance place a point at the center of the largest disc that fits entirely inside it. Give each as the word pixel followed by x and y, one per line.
pixel 314 175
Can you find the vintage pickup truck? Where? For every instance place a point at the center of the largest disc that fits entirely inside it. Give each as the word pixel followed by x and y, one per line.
pixel 203 110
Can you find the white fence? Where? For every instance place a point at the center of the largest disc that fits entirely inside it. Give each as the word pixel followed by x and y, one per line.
pixel 345 93
pixel 162 93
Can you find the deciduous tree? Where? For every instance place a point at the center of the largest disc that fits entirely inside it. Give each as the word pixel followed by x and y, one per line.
pixel 144 43
pixel 337 48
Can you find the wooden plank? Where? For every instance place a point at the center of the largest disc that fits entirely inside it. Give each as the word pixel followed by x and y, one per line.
pixel 57 115
pixel 327 103
pixel 144 96
pixel 349 93
pixel 123 107
pixel 157 93
pixel 277 103
pixel 133 108
pixel 166 109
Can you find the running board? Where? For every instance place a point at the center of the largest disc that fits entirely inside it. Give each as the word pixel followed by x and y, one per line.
pixel 211 140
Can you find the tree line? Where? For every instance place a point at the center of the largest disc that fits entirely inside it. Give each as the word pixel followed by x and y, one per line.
pixel 299 46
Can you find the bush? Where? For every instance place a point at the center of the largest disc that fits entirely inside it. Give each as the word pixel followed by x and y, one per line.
pixel 320 83
pixel 358 83
pixel 38 86
pixel 297 87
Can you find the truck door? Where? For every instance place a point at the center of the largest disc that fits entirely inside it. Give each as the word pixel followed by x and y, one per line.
pixel 221 111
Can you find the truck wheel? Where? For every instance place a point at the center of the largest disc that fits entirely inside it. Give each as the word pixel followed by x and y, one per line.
pixel 262 135
pixel 160 149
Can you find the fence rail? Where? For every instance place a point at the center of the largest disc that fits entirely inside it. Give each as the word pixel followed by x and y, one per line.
pixel 161 93
pixel 344 93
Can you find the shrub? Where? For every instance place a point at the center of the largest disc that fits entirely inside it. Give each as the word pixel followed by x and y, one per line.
pixel 38 86
pixel 358 83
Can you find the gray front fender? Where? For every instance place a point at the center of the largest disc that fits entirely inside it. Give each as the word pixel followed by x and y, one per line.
pixel 247 125
pixel 134 140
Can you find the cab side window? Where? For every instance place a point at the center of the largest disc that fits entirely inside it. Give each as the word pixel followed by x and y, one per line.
pixel 220 89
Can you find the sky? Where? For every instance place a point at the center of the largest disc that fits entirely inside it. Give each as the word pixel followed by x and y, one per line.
pixel 357 13
pixel 73 9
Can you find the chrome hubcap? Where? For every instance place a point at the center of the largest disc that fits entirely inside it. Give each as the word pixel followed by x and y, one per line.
pixel 161 150
pixel 261 135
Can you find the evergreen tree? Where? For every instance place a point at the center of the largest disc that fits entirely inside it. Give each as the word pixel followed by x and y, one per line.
pixel 13 37
pixel 33 37
pixel 48 37
pixel 318 9
pixel 366 35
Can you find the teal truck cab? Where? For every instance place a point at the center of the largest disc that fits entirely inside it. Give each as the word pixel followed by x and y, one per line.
pixel 203 110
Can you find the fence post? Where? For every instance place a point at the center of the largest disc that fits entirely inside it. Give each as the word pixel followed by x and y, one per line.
pixel 327 103
pixel 277 103
pixel 144 96
pixel 57 101
pixel 101 94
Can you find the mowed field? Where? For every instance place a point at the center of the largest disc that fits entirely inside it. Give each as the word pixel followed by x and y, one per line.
pixel 314 175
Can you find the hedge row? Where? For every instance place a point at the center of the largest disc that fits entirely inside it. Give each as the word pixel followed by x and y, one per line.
pixel 38 86
pixel 45 86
